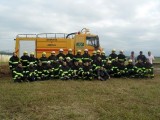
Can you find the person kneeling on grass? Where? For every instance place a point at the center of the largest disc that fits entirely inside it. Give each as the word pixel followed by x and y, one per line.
pixel 102 74
pixel 148 69
pixel 65 72
pixel 18 73
pixel 87 71
pixel 31 72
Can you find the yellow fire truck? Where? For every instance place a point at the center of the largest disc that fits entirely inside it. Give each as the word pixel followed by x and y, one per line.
pixel 47 42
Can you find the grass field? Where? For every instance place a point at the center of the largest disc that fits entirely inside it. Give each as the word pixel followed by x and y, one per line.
pixel 122 99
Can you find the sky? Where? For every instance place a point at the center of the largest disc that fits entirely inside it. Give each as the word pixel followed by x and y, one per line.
pixel 129 25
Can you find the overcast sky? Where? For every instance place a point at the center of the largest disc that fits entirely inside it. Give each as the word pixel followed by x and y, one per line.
pixel 121 24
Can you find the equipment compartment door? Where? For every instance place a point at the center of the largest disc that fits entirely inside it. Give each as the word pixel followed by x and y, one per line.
pixel 28 46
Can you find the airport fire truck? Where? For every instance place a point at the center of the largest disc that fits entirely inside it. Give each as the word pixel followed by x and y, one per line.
pixel 47 42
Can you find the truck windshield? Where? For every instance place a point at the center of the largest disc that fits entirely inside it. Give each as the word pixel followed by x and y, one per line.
pixel 93 41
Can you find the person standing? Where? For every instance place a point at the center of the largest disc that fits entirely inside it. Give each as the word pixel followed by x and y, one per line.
pixel 133 58
pixel 150 57
pixel 141 57
pixel 13 61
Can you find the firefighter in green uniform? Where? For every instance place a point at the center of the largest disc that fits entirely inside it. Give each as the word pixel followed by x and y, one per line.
pixel 121 56
pixel 75 70
pixel 61 54
pixel 39 74
pixel 44 59
pixel 130 69
pixel 86 55
pixel 115 70
pixel 122 69
pixel 13 61
pixel 33 59
pixel 25 60
pixel 108 66
pixel 87 71
pixel 31 72
pixel 140 69
pixel 78 56
pixel 19 73
pixel 94 57
pixel 148 69
pixel 113 55
pixel 65 72
pixel 70 54
pixel 80 72
pixel 56 67
pixel 52 57
pixel 96 66
pixel 103 57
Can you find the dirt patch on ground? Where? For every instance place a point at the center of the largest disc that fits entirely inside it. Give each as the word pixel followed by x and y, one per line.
pixel 4 71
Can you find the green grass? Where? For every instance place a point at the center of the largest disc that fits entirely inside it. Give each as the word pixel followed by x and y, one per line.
pixel 157 60
pixel 131 99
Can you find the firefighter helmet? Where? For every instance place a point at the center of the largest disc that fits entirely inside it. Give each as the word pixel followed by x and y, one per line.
pixel 86 50
pixel 98 51
pixel 53 52
pixel 32 53
pixel 61 50
pixel 44 53
pixel 70 50
pixel 94 52
pixel 79 51
pixel 25 52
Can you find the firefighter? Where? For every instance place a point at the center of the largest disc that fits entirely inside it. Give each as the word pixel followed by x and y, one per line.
pixel 140 69
pixel 80 73
pixel 148 69
pixel 31 72
pixel 25 60
pixel 60 60
pixel 115 70
pixel 70 54
pixel 39 74
pixel 49 71
pixel 44 59
pixel 13 61
pixel 94 56
pixel 65 72
pixel 52 57
pixel 78 56
pixel 75 70
pixel 69 62
pixel 96 66
pixel 103 57
pixel 61 54
pixel 102 74
pixel 130 69
pixel 86 55
pixel 33 59
pixel 55 67
pixel 121 56
pixel 19 73
pixel 108 67
pixel 113 55
pixel 87 71
pixel 98 53
pixel 122 69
